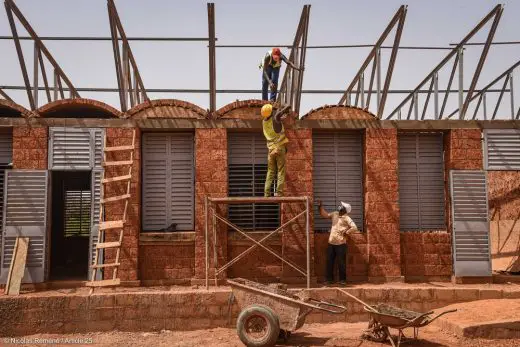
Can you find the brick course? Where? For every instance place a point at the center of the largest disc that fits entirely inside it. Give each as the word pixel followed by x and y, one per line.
pixel 382 204
pixel 30 148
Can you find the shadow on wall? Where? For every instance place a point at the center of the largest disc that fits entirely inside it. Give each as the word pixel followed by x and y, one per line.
pixel 504 205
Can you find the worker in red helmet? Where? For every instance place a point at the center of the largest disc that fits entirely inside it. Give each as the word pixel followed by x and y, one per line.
pixel 271 70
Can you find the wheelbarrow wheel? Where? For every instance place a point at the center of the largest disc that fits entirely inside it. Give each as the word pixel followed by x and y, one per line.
pixel 258 326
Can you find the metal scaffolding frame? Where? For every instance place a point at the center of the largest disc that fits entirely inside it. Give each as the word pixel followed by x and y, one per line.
pixel 375 57
pixel 432 77
pixel 39 64
pixel 131 90
pixel 292 82
pixel 210 211
pixel 481 95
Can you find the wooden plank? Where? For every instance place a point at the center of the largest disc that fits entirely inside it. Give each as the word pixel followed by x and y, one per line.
pixel 116 179
pixel 119 148
pixel 17 267
pixel 114 244
pixel 111 225
pixel 118 163
pixel 104 283
pixel 101 266
pixel 116 198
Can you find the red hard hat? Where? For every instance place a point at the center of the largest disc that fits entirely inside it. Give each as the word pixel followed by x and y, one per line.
pixel 276 51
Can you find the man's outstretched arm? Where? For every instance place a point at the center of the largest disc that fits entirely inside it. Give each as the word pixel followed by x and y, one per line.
pixel 323 213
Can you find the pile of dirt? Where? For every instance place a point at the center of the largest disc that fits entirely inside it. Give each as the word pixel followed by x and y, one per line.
pixel 274 288
pixel 397 312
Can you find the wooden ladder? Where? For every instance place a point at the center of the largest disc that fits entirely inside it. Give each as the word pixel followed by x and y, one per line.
pixel 113 226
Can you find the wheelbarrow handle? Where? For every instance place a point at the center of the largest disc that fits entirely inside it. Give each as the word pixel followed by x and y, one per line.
pixel 320 303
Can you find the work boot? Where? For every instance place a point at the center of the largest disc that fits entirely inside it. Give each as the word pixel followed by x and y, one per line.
pixel 342 283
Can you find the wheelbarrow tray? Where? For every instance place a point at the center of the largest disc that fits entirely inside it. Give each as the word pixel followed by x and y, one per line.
pixel 394 317
pixel 291 309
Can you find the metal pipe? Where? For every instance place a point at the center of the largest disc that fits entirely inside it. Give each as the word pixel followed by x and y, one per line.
pixel 484 105
pixel 307 232
pixel 212 59
pixel 242 91
pixel 436 94
pixel 391 64
pixel 19 51
pixel 483 56
pixel 378 78
pixel 35 74
pixel 450 81
pixel 512 95
pixel 215 237
pixel 104 38
pixel 206 241
pixel 500 97
pixel 461 82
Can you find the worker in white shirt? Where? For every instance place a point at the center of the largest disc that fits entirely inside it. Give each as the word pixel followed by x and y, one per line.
pixel 342 225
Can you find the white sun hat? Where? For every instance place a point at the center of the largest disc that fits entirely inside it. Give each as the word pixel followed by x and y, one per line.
pixel 347 206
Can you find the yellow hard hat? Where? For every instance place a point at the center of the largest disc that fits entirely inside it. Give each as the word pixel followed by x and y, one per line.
pixel 266 111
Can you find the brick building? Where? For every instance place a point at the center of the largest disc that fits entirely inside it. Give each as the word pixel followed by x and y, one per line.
pixel 400 177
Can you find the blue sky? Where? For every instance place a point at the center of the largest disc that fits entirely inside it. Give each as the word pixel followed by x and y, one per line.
pixel 185 65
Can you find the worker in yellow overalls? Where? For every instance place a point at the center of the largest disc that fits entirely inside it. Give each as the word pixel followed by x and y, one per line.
pixel 274 133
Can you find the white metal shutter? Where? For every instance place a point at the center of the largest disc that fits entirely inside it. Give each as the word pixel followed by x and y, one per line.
pixel 6 145
pixel 338 174
pixel 25 215
pixel 168 188
pixel 95 214
pixel 247 158
pixel 470 223
pixel 502 149
pixel 75 148
pixel 421 182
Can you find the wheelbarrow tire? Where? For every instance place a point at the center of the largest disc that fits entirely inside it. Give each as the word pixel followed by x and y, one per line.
pixel 265 317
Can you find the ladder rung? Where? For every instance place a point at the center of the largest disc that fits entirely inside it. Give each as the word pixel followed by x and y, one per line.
pixel 116 179
pixel 114 244
pixel 100 266
pixel 111 225
pixel 117 163
pixel 116 198
pixel 104 283
pixel 118 148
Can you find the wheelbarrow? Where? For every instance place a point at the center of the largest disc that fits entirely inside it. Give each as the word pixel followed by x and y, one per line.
pixel 269 312
pixel 383 317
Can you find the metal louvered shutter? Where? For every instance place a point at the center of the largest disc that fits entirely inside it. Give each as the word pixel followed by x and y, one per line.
pixel 99 139
pixel 247 158
pixel 421 182
pixel 95 187
pixel 168 188
pixel 502 149
pixel 71 149
pixel 25 215
pixel 470 223
pixel 6 146
pixel 182 186
pixel 338 174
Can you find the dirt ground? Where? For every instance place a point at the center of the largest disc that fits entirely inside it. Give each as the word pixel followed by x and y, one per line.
pixel 335 334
